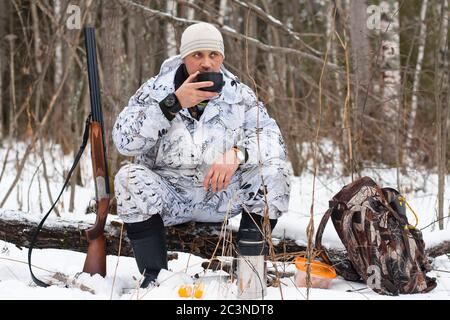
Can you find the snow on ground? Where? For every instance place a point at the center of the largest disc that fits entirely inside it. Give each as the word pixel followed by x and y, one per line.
pixel 120 282
pixel 419 187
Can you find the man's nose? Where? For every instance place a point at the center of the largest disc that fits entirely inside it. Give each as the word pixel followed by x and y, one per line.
pixel 206 64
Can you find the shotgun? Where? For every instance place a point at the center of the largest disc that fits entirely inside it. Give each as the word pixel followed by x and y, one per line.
pixel 96 255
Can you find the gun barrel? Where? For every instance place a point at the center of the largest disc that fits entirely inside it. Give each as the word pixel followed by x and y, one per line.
pixel 92 68
pixel 94 93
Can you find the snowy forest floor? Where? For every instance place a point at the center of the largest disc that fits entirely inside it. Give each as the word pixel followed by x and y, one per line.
pixel 419 187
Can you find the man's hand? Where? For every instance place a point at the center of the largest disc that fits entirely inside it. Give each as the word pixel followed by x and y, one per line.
pixel 221 171
pixel 188 94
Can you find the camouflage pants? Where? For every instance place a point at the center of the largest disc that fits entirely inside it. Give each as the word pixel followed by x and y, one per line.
pixel 179 197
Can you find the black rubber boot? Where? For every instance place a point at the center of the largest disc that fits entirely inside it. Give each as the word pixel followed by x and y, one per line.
pixel 148 240
pixel 248 220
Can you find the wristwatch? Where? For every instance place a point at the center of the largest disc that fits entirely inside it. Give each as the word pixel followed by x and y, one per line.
pixel 239 154
pixel 171 103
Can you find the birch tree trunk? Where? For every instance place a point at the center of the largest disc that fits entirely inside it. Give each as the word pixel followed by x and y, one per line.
pixel 171 7
pixel 417 73
pixel 441 93
pixel 391 81
pixel 58 47
pixel 3 27
pixel 222 11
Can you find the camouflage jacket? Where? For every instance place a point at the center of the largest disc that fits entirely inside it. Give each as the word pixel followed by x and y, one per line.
pixel 185 146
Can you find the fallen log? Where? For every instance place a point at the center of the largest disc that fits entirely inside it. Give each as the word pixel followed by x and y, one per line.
pixel 439 250
pixel 198 238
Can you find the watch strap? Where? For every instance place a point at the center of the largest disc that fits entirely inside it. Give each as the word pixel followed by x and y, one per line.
pixel 176 106
pixel 169 111
pixel 166 111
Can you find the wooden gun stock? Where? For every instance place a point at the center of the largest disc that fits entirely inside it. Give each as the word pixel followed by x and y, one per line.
pixel 96 255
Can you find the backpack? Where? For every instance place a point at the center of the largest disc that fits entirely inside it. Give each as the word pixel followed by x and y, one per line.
pixel 383 249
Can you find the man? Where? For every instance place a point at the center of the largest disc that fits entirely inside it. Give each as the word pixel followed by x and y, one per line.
pixel 197 156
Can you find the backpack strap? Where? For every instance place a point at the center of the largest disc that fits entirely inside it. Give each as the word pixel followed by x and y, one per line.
pixel 318 242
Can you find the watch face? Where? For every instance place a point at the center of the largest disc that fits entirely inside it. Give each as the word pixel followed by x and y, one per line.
pixel 170 101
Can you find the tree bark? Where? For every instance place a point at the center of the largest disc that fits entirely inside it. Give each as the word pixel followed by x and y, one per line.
pixel 171 8
pixel 391 81
pixel 186 9
pixel 4 6
pixel 12 120
pixel 79 118
pixel 197 238
pixel 361 68
pixel 292 136
pixel 360 52
pixel 132 76
pixel 417 74
pixel 58 47
pixel 440 87
pixel 113 97
pixel 222 11
pixel 37 37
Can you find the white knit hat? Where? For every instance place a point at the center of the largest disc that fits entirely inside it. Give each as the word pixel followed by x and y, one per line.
pixel 201 36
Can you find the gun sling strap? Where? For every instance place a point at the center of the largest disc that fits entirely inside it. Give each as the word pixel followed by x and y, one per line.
pixel 74 165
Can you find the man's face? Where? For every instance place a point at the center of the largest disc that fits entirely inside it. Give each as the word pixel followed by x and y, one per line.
pixel 203 61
